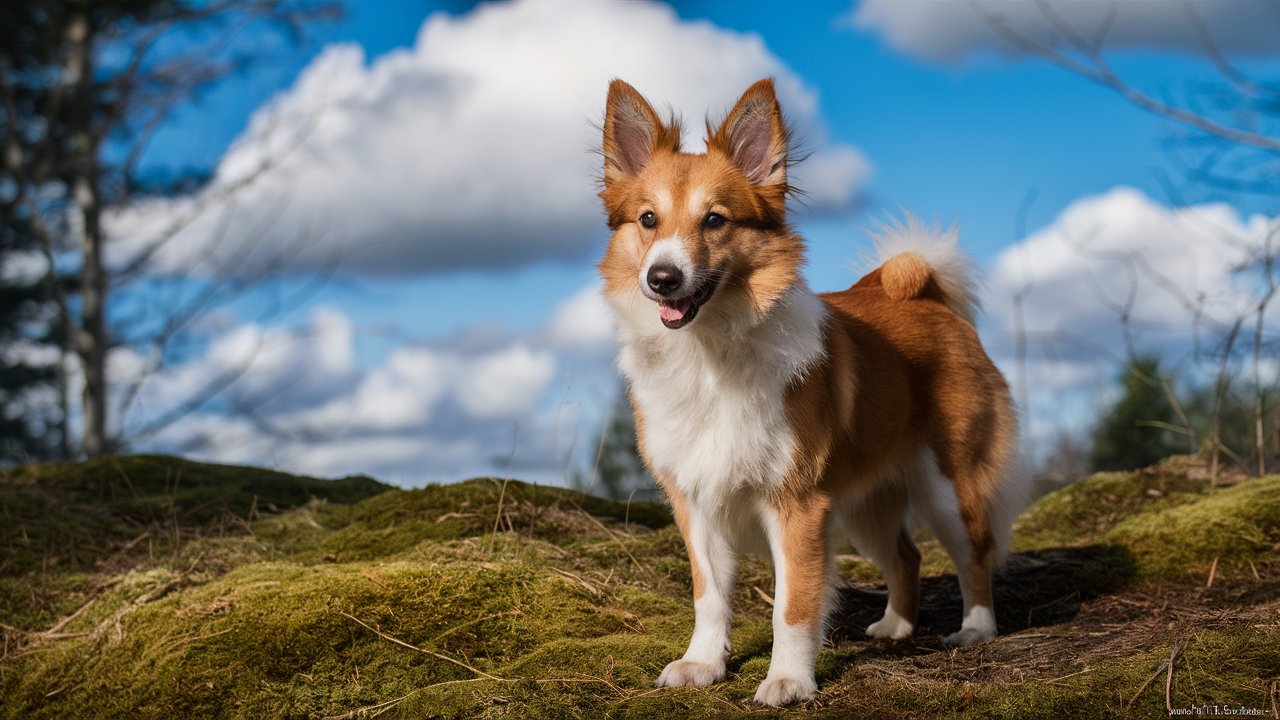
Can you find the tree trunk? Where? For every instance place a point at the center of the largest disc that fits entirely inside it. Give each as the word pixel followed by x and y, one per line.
pixel 91 339
pixel 91 335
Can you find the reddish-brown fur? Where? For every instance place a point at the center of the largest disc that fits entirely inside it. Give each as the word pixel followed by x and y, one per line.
pixel 901 373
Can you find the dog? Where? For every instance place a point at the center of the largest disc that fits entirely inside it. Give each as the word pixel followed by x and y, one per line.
pixel 777 420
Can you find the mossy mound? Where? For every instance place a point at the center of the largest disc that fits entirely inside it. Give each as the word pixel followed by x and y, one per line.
pixel 1085 510
pixel 503 599
pixel 399 520
pixel 73 515
pixel 1173 527
pixel 1226 533
pixel 278 639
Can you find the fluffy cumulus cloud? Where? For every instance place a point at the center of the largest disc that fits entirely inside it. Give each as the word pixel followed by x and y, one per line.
pixel 950 31
pixel 1118 269
pixel 442 409
pixel 242 369
pixel 584 321
pixel 472 149
pixel 504 384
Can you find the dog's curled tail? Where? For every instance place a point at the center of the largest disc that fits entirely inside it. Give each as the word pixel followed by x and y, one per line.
pixel 922 261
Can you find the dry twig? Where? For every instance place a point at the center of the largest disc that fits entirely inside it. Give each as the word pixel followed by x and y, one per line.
pixel 1168 679
pixel 424 651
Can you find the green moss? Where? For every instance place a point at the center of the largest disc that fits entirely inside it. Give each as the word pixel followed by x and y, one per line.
pixel 39 601
pixel 400 520
pixel 279 639
pixel 1171 526
pixel 1236 526
pixel 197 491
pixel 1233 666
pixel 1083 512
pixel 68 516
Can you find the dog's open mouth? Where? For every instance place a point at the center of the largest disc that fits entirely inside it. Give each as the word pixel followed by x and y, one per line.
pixel 676 313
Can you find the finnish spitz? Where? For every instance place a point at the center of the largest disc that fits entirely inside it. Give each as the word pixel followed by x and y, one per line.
pixel 779 421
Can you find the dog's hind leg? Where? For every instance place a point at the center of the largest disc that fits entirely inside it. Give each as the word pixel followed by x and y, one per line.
pixel 876 529
pixel 966 535
pixel 979 624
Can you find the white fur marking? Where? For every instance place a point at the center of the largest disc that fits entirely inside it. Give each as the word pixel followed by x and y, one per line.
pixel 936 501
pixel 697 201
pixel 979 626
pixel 952 268
pixel 980 618
pixel 667 250
pixel 790 678
pixel 704 662
pixel 891 627
pixel 662 201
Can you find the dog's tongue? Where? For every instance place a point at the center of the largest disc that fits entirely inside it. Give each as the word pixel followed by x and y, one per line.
pixel 674 310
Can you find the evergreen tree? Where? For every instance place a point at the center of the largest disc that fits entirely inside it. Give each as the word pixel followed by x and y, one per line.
pixel 30 416
pixel 1126 437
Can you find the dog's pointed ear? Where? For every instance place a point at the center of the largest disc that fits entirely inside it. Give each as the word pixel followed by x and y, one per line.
pixel 632 133
pixel 755 135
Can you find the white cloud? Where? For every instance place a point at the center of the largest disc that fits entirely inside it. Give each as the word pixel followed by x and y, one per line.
pixel 950 31
pixel 471 149
pixel 505 384
pixel 1171 270
pixel 408 389
pixel 442 409
pixel 584 321
pixel 1122 252
pixel 22 266
pixel 403 392
pixel 249 367
pixel 400 459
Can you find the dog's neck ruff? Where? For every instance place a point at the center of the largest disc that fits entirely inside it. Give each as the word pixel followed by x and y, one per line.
pixel 712 396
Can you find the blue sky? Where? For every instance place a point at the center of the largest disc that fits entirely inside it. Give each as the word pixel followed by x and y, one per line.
pixel 978 138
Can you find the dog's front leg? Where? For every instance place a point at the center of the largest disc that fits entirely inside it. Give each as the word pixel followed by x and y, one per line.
pixel 715 567
pixel 796 528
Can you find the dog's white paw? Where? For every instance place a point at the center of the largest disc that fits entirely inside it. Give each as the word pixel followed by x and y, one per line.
pixel 688 672
pixel 979 626
pixel 779 691
pixel 969 636
pixel 891 627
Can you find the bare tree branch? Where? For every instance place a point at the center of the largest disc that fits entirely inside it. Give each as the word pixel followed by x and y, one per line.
pixel 1094 66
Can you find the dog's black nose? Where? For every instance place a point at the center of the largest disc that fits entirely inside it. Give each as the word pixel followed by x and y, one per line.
pixel 665 279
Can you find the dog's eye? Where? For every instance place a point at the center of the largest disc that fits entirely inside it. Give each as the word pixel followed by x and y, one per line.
pixel 714 220
pixel 648 219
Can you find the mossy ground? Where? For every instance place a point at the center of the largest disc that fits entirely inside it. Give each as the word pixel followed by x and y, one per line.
pixel 158 588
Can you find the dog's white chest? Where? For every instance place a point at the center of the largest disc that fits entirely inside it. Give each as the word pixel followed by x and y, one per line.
pixel 714 429
pixel 714 409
